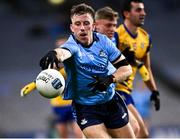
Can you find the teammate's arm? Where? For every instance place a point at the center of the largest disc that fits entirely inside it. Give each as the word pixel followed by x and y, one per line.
pixel 151 83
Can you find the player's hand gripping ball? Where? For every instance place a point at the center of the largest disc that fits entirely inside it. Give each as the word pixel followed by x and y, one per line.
pixel 50 83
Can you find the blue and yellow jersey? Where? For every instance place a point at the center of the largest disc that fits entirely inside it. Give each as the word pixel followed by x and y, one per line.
pixel 140 44
pixel 58 101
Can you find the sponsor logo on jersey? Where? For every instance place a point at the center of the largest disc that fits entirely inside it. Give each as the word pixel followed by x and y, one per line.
pixel 142 45
pixel 102 54
pixel 83 121
pixel 124 115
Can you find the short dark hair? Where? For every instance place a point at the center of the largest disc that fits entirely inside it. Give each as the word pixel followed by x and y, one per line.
pixel 106 13
pixel 82 9
pixel 126 5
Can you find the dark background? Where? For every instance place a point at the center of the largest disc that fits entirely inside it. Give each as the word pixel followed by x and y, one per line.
pixel 29 28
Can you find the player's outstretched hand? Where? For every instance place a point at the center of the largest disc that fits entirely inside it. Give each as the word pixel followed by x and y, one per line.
pixel 101 83
pixel 49 59
pixel 155 99
pixel 28 89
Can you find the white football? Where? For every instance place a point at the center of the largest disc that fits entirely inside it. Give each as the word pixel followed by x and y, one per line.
pixel 50 83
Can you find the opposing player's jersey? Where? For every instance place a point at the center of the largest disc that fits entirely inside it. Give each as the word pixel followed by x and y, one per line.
pixel 58 101
pixel 139 43
pixel 85 63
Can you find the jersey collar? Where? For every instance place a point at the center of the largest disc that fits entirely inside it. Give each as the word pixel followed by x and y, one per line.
pixel 128 31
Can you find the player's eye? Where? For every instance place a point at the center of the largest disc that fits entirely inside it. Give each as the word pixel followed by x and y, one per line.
pixel 77 23
pixel 139 10
pixel 108 25
pixel 86 23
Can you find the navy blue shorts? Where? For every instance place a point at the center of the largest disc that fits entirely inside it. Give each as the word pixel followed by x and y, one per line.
pixel 126 97
pixel 63 114
pixel 112 113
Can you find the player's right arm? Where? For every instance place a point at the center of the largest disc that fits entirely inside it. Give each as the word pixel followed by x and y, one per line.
pixel 54 57
pixel 28 89
pixel 62 54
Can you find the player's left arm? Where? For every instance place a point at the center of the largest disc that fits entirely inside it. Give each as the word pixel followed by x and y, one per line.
pixel 123 71
pixel 151 82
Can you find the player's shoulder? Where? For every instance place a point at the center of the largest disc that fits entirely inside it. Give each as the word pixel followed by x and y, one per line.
pixel 120 28
pixel 143 31
pixel 71 40
pixel 99 37
pixel 71 44
pixel 145 34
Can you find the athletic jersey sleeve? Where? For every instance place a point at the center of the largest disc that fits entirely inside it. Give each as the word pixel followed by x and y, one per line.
pixel 113 52
pixel 150 44
pixel 70 45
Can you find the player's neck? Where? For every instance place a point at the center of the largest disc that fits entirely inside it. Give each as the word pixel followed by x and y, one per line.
pixel 132 28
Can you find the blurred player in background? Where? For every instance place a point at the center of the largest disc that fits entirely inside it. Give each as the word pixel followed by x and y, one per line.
pixel 135 44
pixel 62 110
pixel 106 20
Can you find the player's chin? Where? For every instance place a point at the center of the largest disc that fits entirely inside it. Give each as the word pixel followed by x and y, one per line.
pixel 140 24
pixel 110 35
pixel 83 39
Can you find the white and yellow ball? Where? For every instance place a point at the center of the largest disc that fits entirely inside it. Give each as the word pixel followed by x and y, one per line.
pixel 50 83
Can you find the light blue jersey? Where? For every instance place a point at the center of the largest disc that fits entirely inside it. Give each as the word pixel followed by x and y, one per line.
pixel 85 63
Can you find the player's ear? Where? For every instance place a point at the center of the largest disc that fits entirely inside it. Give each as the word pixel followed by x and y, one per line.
pixel 95 23
pixel 94 26
pixel 71 27
pixel 126 14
